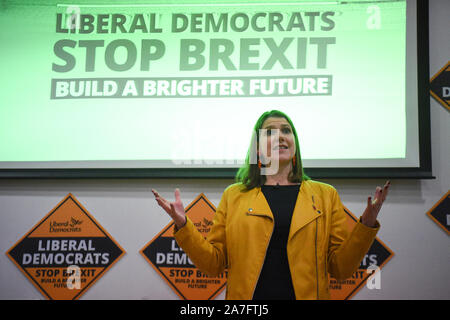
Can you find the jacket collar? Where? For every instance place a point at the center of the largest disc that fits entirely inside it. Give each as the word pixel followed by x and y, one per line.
pixel 307 207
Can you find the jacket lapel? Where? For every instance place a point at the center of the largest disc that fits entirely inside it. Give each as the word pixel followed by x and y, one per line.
pixel 258 205
pixel 306 209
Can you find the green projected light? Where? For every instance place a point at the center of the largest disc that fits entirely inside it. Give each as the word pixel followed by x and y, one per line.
pixel 181 83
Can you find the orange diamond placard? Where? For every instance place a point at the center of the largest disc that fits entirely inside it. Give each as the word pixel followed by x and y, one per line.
pixel 377 256
pixel 66 252
pixel 440 86
pixel 173 264
pixel 440 213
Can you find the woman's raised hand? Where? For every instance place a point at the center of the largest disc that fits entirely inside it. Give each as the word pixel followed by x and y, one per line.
pixel 174 209
pixel 369 217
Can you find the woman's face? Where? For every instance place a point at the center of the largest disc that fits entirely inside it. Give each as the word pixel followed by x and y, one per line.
pixel 286 141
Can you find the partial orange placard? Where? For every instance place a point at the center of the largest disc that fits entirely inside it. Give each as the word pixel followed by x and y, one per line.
pixel 440 212
pixel 440 86
pixel 173 264
pixel 377 256
pixel 66 252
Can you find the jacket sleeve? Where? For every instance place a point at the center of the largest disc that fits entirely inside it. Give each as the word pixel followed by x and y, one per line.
pixel 208 254
pixel 347 249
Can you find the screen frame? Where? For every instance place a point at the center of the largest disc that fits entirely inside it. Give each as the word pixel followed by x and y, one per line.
pixel 424 171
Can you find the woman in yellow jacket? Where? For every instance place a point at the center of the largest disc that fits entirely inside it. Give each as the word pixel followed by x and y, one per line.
pixel 278 232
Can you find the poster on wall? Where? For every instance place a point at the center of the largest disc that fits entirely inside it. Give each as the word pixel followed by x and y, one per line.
pixel 173 264
pixel 368 272
pixel 66 252
pixel 440 213
pixel 440 86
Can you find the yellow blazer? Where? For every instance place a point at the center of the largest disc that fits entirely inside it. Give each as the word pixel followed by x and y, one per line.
pixel 319 241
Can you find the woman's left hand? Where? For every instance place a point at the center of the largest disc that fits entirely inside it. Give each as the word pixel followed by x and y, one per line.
pixel 369 217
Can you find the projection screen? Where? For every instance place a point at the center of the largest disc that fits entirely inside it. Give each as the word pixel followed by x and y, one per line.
pixel 174 88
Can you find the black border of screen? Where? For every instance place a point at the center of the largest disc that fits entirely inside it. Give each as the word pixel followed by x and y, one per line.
pixel 424 171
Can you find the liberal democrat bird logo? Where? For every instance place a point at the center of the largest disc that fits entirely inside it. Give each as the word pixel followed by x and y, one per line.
pixel 206 223
pixel 74 222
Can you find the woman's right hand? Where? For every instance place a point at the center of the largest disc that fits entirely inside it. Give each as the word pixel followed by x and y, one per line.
pixel 174 209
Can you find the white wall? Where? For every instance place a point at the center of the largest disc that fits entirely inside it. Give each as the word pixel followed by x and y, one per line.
pixel 126 209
